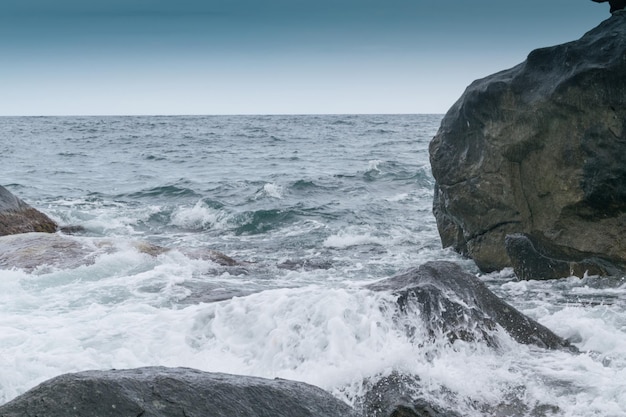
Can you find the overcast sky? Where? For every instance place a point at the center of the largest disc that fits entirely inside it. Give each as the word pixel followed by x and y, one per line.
pixel 102 57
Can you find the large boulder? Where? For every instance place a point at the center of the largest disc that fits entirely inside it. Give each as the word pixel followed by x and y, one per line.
pixel 454 304
pixel 18 217
pixel 172 392
pixel 539 149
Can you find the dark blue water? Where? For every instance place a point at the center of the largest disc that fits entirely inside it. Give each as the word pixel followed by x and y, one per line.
pixel 313 207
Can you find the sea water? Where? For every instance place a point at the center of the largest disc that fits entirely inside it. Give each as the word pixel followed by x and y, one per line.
pixel 313 208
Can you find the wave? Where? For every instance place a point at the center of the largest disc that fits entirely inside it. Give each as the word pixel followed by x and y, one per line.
pixel 201 216
pixel 346 240
pixel 395 171
pixel 262 221
pixel 169 191
pixel 270 190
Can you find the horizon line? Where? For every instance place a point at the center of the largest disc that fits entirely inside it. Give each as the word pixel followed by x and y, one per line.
pixel 223 114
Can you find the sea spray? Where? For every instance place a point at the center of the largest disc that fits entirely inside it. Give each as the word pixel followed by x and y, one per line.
pixel 296 191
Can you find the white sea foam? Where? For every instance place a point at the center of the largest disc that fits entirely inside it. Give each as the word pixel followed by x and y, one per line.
pixel 129 309
pixel 346 240
pixel 199 217
pixel 273 190
pixel 398 197
pixel 372 165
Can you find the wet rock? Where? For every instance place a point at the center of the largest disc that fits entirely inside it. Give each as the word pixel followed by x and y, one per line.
pixel 28 251
pixel 530 261
pixel 398 395
pixel 18 217
pixel 305 264
pixel 72 229
pixel 171 392
pixel 457 305
pixel 538 149
pixel 211 255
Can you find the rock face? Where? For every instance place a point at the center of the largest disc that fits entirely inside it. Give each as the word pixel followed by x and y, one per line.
pixel 172 392
pixel 539 149
pixel 457 305
pixel 18 217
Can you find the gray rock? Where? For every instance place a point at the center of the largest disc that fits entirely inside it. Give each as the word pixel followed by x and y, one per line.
pixel 28 251
pixel 398 395
pixel 530 261
pixel 172 392
pixel 18 217
pixel 539 149
pixel 457 305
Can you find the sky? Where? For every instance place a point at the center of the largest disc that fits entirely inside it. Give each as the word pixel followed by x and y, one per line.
pixel 172 57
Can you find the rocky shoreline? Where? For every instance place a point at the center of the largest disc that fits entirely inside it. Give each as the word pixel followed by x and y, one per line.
pixel 452 305
pixel 528 175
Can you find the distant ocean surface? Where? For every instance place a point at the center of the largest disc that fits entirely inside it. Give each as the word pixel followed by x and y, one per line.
pixel 314 207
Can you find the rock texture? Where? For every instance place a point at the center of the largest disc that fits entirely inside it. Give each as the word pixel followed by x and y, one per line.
pixel 28 251
pixel 457 305
pixel 539 149
pixel 398 395
pixel 172 392
pixel 18 217
pixel 531 261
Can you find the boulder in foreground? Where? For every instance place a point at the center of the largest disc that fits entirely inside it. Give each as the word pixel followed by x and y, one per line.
pixel 457 305
pixel 539 149
pixel 172 392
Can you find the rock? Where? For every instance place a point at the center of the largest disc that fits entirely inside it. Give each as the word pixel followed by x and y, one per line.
pixel 18 217
pixel 530 261
pixel 457 305
pixel 304 264
pixel 398 395
pixel 28 251
pixel 211 255
pixel 538 149
pixel 171 392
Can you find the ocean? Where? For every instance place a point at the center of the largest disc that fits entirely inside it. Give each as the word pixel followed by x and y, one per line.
pixel 313 208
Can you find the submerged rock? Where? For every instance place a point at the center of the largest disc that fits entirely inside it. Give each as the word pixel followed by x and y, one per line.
pixel 29 251
pixel 457 305
pixel 538 149
pixel 169 392
pixel 18 217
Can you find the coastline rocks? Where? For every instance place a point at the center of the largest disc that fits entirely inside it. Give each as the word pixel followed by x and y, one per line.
pixel 169 392
pixel 530 261
pixel 457 305
pixel 18 217
pixel 28 251
pixel 538 149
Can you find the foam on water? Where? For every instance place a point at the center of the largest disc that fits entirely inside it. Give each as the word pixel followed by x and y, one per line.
pixel 199 217
pixel 123 312
pixel 346 240
pixel 273 190
pixel 341 201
